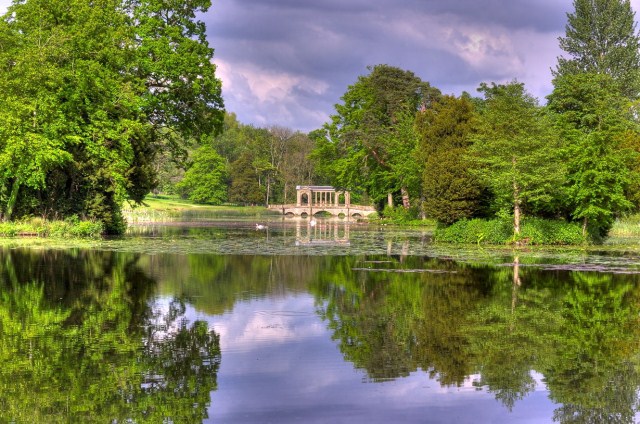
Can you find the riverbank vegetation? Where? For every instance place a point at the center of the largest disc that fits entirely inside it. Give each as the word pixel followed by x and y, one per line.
pixel 88 125
pixel 38 227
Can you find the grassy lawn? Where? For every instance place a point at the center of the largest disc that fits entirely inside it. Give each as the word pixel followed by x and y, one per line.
pixel 171 208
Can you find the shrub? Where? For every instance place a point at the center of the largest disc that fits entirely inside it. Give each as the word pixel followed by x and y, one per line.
pixel 87 229
pixel 533 231
pixel 8 229
pixel 71 227
pixel 551 232
pixel 399 214
pixel 480 231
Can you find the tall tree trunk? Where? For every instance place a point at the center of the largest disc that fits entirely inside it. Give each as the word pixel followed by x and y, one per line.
pixel 268 190
pixel 405 198
pixel 284 201
pixel 390 200
pixel 516 209
pixel 516 202
pixel 585 223
pixel 15 188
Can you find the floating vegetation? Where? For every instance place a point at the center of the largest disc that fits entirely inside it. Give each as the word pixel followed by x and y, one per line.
pixel 432 271
pixel 380 249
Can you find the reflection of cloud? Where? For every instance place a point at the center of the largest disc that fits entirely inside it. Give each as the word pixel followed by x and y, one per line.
pixel 268 322
pixel 280 364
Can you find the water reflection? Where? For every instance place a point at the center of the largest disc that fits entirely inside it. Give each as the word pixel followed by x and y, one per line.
pixel 80 342
pixel 90 336
pixel 322 232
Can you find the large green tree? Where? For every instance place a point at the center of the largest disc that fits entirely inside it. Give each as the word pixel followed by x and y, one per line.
pixel 597 124
pixel 92 90
pixel 206 179
pixel 517 151
pixel 601 38
pixel 368 144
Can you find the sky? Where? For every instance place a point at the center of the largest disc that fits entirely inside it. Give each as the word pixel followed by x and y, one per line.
pixel 288 62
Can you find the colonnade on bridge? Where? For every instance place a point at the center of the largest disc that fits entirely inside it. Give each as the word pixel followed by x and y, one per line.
pixel 322 196
pixel 311 199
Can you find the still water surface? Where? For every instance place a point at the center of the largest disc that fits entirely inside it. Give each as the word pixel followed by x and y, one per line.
pixel 220 323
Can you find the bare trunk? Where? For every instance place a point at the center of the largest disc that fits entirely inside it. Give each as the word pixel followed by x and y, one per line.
pixel 390 200
pixel 268 191
pixel 516 202
pixel 15 188
pixel 284 199
pixel 585 222
pixel 405 198
pixel 516 217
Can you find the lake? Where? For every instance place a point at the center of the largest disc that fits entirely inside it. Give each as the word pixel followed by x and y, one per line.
pixel 217 322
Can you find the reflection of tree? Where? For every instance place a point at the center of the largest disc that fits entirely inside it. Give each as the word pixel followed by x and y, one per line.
pixel 578 330
pixel 95 352
pixel 594 372
pixel 389 325
pixel 509 335
pixel 214 283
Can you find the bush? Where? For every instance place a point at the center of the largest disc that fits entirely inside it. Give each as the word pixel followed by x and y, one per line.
pixel 479 231
pixel 399 214
pixel 72 227
pixel 551 232
pixel 87 229
pixel 8 230
pixel 533 231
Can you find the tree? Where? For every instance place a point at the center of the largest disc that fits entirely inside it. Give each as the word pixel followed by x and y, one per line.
pixel 297 168
pixel 367 138
pixel 97 89
pixel 450 190
pixel 245 183
pixel 206 179
pixel 601 38
pixel 596 124
pixel 516 150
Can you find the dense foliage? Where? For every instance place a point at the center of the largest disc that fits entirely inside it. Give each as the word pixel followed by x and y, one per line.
pixel 533 231
pixel 105 101
pixel 370 142
pixel 91 93
pixel 574 160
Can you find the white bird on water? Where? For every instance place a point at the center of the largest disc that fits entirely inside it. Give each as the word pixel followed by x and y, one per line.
pixel 261 227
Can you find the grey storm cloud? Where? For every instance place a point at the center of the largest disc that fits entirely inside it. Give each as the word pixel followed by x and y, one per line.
pixel 288 62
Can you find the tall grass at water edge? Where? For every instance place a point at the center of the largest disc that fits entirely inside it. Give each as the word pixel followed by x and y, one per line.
pixel 38 227
pixel 628 226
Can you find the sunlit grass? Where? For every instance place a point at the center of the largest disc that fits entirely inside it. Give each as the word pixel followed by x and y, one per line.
pixel 172 208
pixel 628 226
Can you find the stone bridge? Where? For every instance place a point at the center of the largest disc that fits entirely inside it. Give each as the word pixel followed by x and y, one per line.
pixel 315 199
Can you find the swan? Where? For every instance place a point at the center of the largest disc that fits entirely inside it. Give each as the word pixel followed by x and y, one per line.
pixel 261 227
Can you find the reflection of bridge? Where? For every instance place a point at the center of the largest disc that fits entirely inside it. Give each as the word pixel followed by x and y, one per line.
pixel 314 199
pixel 324 233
